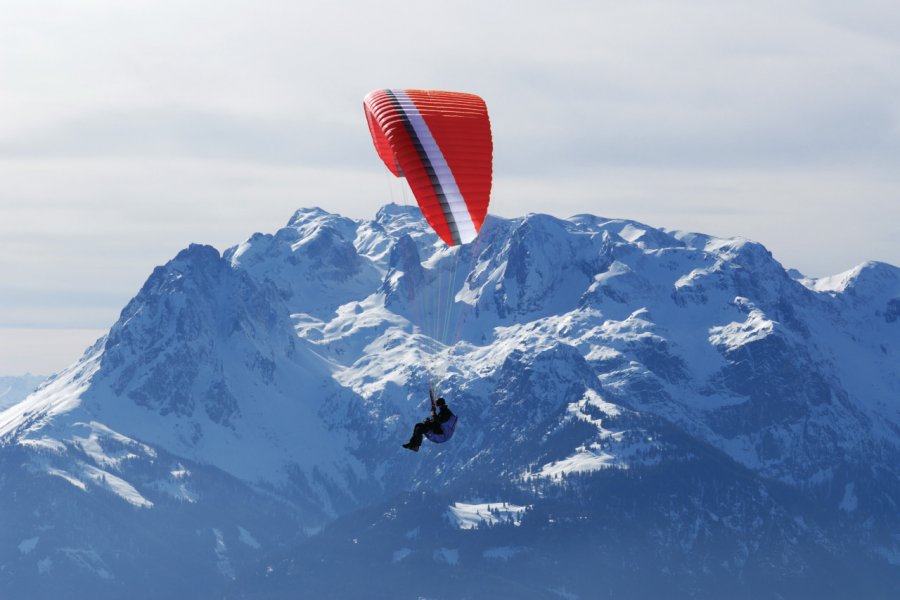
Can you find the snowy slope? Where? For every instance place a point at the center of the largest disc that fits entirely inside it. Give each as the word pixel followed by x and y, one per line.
pixel 580 354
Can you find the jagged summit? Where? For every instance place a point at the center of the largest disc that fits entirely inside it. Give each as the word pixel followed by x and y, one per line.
pixel 870 275
pixel 393 210
pixel 304 215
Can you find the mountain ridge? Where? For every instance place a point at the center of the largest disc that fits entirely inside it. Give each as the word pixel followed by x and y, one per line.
pixel 577 351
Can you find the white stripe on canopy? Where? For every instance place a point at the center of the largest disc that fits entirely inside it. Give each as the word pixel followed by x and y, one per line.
pixel 458 209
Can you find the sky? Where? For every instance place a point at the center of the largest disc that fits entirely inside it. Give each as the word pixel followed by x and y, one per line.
pixel 132 129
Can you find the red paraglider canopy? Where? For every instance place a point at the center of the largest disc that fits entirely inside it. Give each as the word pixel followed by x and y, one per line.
pixel 441 142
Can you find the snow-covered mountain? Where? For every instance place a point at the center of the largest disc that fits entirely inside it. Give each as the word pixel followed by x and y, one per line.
pixel 642 412
pixel 15 388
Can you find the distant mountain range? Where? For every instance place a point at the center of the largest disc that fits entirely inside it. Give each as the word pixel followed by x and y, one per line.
pixel 14 388
pixel 643 413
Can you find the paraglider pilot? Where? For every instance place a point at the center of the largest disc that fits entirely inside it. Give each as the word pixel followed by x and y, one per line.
pixel 438 427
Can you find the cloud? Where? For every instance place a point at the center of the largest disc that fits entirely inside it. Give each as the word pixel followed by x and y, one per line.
pixel 195 134
pixel 572 87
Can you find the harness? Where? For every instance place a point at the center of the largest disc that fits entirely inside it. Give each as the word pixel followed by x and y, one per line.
pixel 447 427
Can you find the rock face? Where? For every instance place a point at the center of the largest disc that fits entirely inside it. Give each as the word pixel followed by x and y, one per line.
pixel 642 413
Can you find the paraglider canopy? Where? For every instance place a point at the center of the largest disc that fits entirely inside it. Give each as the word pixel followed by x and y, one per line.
pixel 441 142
